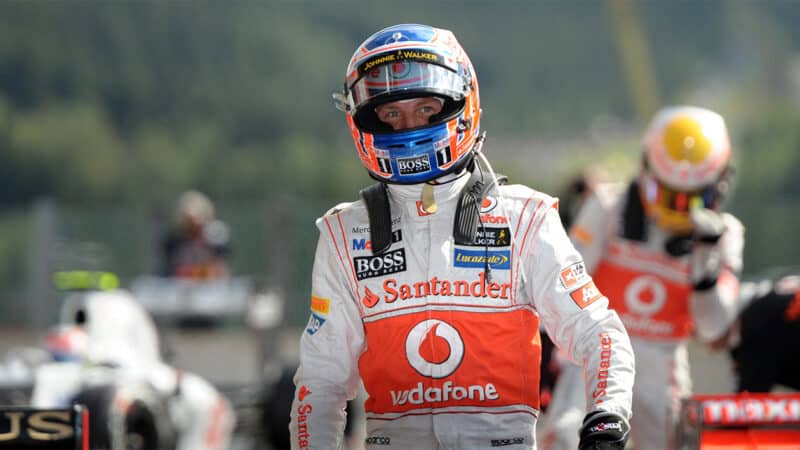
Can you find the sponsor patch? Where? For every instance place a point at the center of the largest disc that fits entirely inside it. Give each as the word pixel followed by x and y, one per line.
pixel 369 299
pixel 303 393
pixel 320 305
pixel 507 441
pixel 605 426
pixel 378 440
pixel 358 229
pixel 443 154
pixel 488 204
pixel 394 291
pixel 573 275
pixel 379 265
pixel 586 295
pixel 366 244
pixel 315 322
pixel 493 237
pixel 498 259
pixel 494 220
pixel 418 164
pixel 581 235
pixel 421 211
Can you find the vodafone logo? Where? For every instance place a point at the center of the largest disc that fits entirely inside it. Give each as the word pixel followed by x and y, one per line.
pixel 488 204
pixel 434 348
pixel 645 295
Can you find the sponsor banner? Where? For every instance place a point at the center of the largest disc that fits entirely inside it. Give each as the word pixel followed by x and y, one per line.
pixel 380 265
pixel 750 409
pixel 498 259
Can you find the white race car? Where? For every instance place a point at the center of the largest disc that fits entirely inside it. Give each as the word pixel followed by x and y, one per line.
pixel 107 357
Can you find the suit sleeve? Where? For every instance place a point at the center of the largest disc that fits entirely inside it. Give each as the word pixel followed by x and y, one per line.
pixel 588 232
pixel 329 350
pixel 576 315
pixel 714 310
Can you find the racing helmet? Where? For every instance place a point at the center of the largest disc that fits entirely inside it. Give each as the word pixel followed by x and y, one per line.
pixel 686 164
pixel 67 342
pixel 403 62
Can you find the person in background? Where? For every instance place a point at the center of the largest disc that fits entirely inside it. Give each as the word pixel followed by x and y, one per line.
pixel 197 246
pixel 430 289
pixel 576 190
pixel 668 259
pixel 760 339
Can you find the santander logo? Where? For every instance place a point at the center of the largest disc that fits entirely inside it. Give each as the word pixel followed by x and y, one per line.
pixel 434 348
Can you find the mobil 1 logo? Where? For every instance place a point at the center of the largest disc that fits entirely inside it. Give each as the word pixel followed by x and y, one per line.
pixel 379 265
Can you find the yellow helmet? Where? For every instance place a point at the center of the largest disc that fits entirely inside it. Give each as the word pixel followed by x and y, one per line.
pixel 687 154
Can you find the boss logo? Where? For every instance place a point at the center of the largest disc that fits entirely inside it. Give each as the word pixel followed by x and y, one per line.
pixel 375 266
pixel 407 166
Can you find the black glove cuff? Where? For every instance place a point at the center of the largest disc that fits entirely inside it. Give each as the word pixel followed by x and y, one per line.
pixel 705 284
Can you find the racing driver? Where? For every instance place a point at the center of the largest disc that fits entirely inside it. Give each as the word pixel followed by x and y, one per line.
pixel 668 257
pixel 430 289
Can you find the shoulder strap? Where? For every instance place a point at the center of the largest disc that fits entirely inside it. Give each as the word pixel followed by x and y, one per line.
pixel 633 218
pixel 380 217
pixel 634 226
pixel 465 226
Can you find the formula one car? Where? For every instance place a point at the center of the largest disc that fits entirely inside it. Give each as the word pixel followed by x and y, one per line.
pixel 105 354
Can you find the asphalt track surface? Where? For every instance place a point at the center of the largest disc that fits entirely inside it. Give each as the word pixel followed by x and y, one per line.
pixel 230 357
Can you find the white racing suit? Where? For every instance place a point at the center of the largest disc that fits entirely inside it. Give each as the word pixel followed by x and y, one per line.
pixel 121 345
pixel 449 356
pixel 652 292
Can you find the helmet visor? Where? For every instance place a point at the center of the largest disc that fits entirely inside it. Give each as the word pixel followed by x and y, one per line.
pixel 407 77
pixel 666 197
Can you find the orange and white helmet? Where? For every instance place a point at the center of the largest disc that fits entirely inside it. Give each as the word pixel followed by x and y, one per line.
pixel 687 155
pixel 402 62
